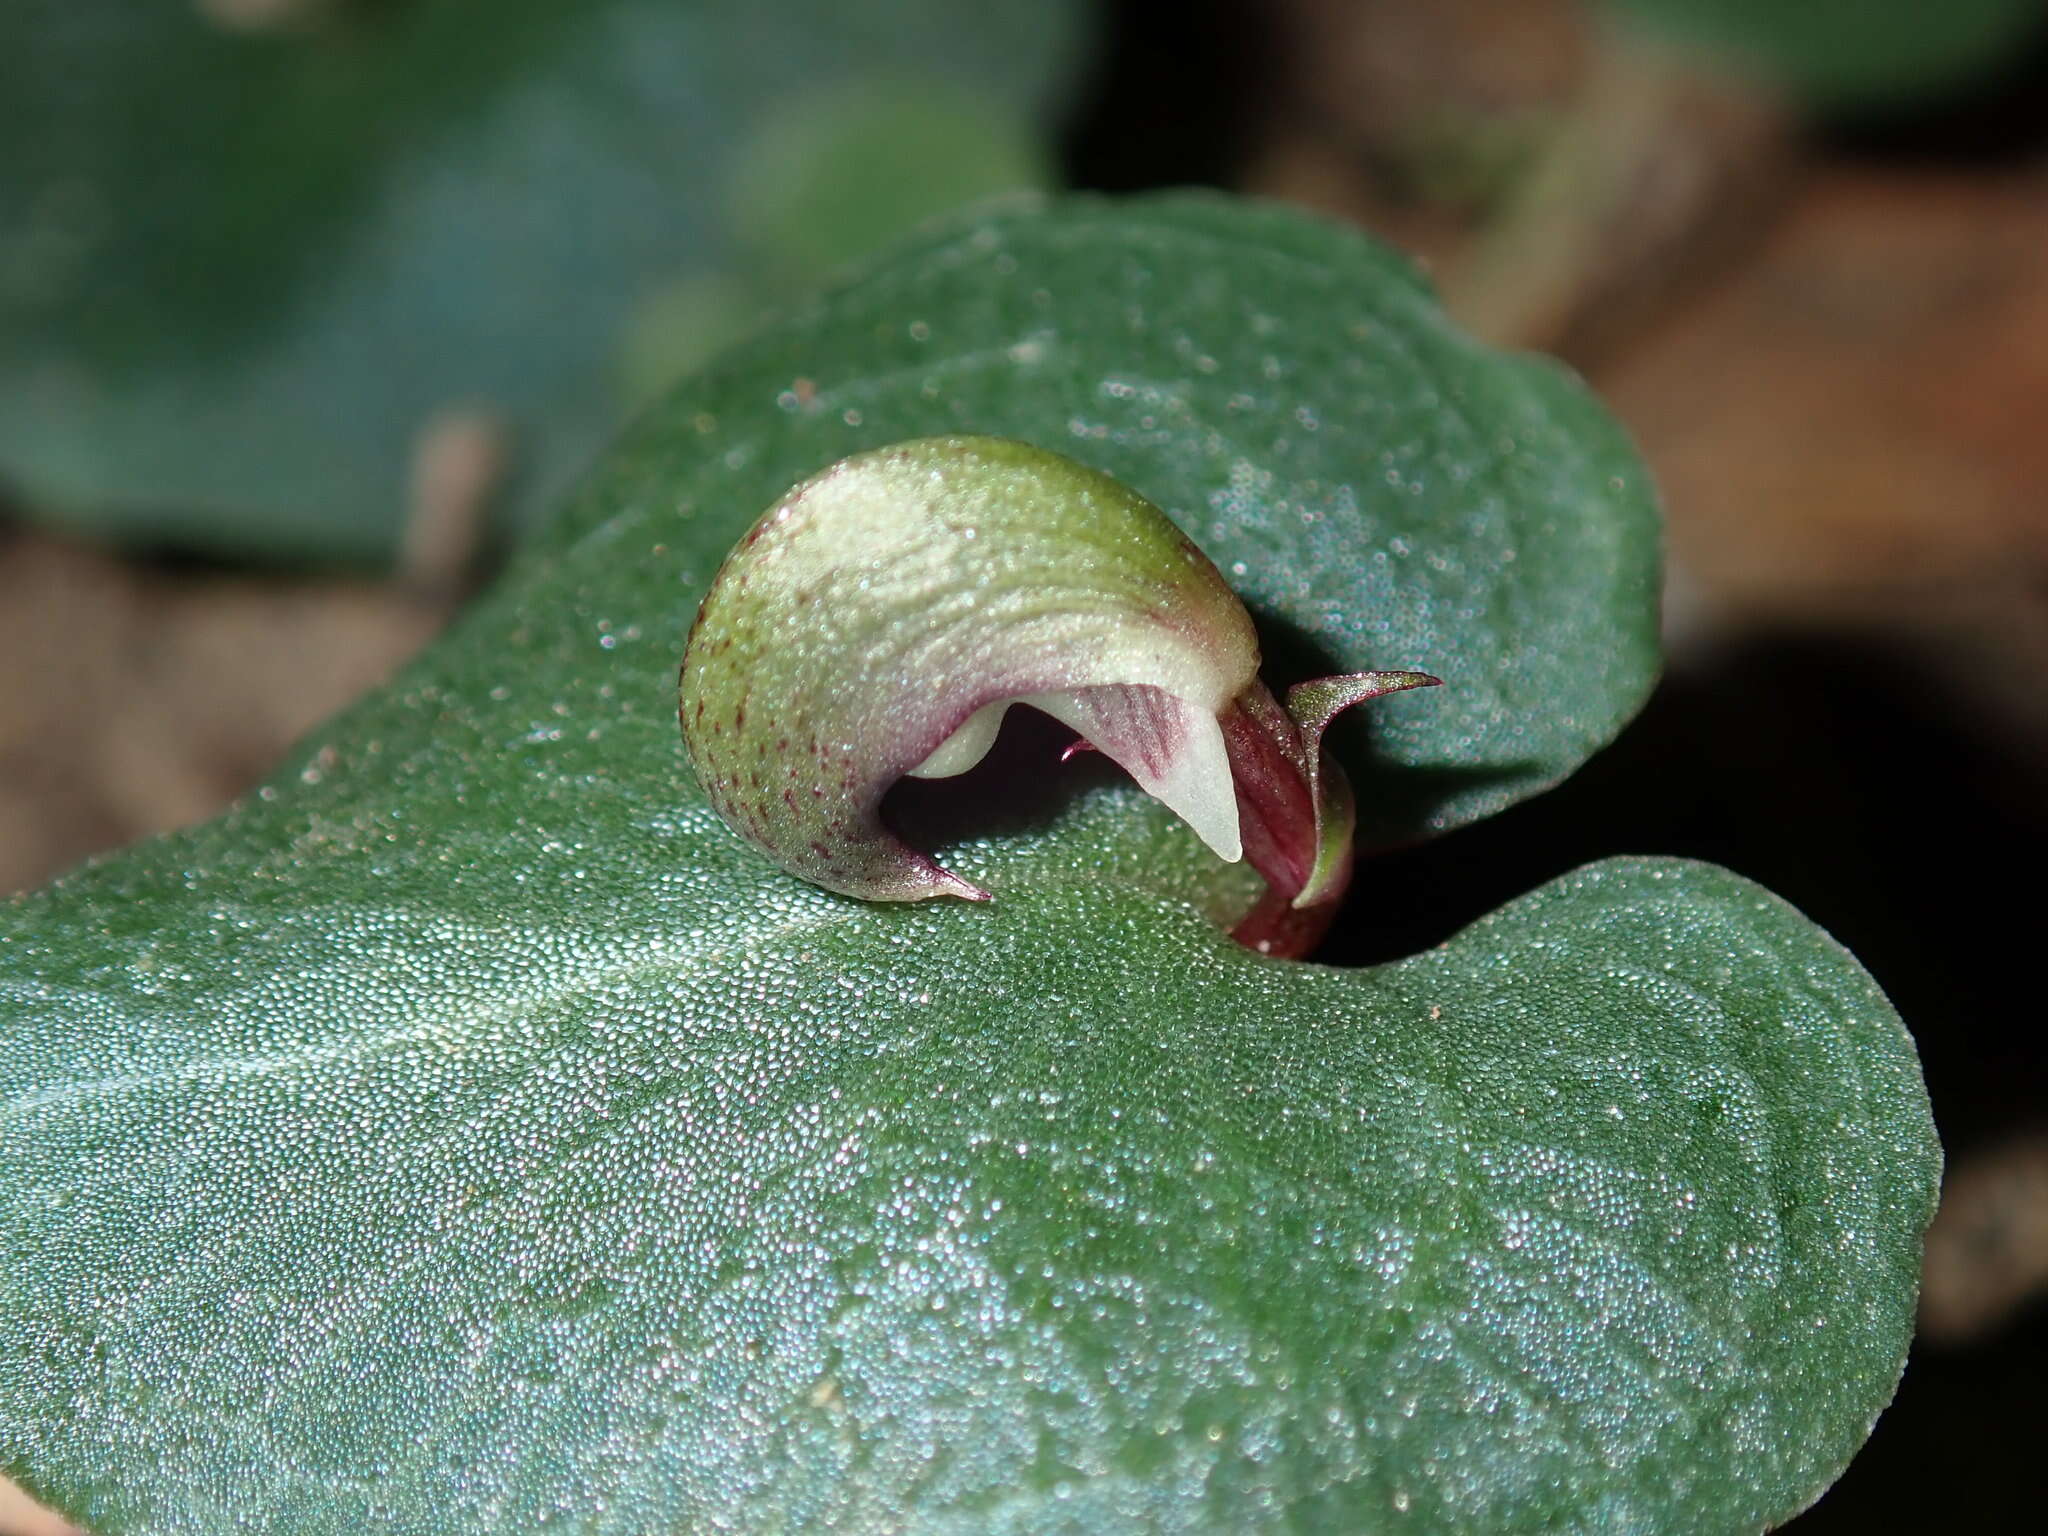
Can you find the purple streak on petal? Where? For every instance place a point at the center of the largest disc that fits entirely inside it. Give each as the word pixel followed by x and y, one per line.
pixel 1295 805
pixel 1174 750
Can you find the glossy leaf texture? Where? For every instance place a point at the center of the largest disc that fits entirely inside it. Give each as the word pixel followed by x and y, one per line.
pixel 1381 490
pixel 468 1133
pixel 243 276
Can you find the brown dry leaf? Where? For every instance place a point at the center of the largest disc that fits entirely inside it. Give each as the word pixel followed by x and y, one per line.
pixel 1377 73
pixel 136 701
pixel 1852 431
pixel 1409 116
pixel 22 1516
pixel 1855 421
pixel 1987 1252
pixel 1561 181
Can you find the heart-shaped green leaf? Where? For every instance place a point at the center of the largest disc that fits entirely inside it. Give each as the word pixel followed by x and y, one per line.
pixel 1379 488
pixel 469 1134
pixel 242 276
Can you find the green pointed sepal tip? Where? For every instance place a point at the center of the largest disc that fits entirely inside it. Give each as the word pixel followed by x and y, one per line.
pixel 1313 706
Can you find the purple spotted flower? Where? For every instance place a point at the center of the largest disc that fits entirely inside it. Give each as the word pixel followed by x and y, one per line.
pixel 883 615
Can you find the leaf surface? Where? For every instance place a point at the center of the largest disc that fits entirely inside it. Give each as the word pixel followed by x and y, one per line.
pixel 467 1133
pixel 1380 489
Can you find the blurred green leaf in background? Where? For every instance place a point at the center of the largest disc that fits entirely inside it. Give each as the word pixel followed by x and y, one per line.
pixel 1849 55
pixel 242 273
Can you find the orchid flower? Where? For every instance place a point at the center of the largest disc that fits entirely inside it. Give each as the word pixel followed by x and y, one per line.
pixel 881 618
